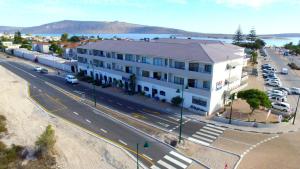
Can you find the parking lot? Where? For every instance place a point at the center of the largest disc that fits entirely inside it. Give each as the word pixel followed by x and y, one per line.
pixel 277 74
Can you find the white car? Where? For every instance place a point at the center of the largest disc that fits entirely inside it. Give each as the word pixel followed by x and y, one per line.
pixel 295 90
pixel 272 79
pixel 275 98
pixel 276 92
pixel 71 79
pixel 274 83
pixel 284 89
pixel 38 69
pixel 281 106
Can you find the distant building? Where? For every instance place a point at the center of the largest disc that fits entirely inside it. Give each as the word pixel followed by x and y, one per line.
pixel 207 71
pixel 42 47
pixel 70 51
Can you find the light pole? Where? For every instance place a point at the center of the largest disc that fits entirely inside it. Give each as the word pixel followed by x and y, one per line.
pixel 230 116
pixel 181 109
pixel 296 109
pixel 94 87
pixel 146 145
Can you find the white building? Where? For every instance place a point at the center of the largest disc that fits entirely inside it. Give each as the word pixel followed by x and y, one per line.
pixel 42 47
pixel 208 71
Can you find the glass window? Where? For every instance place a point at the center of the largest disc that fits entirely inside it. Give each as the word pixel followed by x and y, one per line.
pixel 138 58
pixel 81 51
pixel 144 59
pixel 145 73
pixel 207 68
pixel 194 67
pixel 158 61
pixel 178 80
pixel 199 101
pixel 162 93
pixel 120 56
pixel 206 84
pixel 129 57
pixel 179 65
pixel 146 89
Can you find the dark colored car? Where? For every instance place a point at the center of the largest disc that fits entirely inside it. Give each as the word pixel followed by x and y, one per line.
pixel 44 71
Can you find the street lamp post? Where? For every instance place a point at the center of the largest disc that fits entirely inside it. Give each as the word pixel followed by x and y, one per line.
pixel 230 116
pixel 296 110
pixel 94 86
pixel 180 125
pixel 146 145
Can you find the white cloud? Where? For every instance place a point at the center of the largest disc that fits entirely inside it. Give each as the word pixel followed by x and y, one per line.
pixel 249 3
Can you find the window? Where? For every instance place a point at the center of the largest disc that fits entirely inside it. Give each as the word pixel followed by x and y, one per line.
pixel 145 59
pixel 199 101
pixel 178 80
pixel 192 83
pixel 206 84
pixel 194 67
pixel 82 60
pixel 138 58
pixel 179 65
pixel 108 55
pixel 162 93
pixel 81 51
pixel 129 57
pixel 207 68
pixel 158 61
pixel 145 73
pixel 120 56
pixel 146 89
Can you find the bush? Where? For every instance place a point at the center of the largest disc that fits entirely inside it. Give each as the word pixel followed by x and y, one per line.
pixel 2 124
pixel 176 101
pixel 46 140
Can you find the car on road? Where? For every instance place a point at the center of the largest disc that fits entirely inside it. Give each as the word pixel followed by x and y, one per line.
pixel 284 71
pixel 273 83
pixel 71 79
pixel 44 71
pixel 295 90
pixel 281 106
pixel 37 69
pixel 272 79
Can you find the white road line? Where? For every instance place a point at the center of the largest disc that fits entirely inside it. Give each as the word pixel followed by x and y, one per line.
pixel 174 118
pixel 206 135
pixel 21 69
pixel 178 163
pixel 147 157
pixel 168 166
pixel 211 129
pixel 40 90
pixel 104 131
pixel 212 133
pixel 181 157
pixel 87 120
pixel 76 113
pixel 163 124
pixel 202 138
pixel 79 92
pixel 216 127
pixel 198 141
pixel 122 142
pixel 154 167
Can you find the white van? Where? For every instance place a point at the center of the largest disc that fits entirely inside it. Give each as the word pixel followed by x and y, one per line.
pixel 284 71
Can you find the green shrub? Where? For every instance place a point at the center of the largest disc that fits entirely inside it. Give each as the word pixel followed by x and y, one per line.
pixel 46 140
pixel 176 101
pixel 293 66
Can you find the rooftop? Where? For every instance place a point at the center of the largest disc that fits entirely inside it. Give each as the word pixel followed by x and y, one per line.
pixel 206 51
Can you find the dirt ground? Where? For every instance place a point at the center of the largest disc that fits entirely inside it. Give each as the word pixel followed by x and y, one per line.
pixel 75 148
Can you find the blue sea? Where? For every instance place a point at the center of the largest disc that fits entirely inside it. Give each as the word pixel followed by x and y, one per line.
pixel 270 42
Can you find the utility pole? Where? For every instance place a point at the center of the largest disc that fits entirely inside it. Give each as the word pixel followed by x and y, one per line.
pixel 230 116
pixel 94 86
pixel 137 155
pixel 180 125
pixel 296 109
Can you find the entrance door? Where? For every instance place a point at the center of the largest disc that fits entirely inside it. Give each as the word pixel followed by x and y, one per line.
pixel 154 92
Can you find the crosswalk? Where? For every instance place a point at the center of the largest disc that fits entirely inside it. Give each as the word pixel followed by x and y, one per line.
pixel 207 134
pixel 172 160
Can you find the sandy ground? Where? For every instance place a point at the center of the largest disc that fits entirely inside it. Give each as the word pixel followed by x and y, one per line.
pixel 75 148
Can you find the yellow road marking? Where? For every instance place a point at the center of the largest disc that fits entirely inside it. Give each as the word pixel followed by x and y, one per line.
pixel 153 112
pixel 90 132
pixel 137 115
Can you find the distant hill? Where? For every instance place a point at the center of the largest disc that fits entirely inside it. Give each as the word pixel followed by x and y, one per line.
pixel 116 27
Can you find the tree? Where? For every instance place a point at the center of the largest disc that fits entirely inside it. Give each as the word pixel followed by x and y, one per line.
pixel 45 142
pixel 255 98
pixel 132 83
pixel 238 38
pixel 17 38
pixel 254 57
pixel 177 100
pixel 64 37
pixel 260 43
pixel 74 39
pixel 252 35
pixel 56 49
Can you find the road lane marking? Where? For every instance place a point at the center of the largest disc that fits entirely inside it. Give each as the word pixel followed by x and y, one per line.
pixel 154 167
pixel 87 120
pixel 211 129
pixel 21 70
pixel 198 141
pixel 104 131
pixel 158 117
pixel 168 166
pixel 147 157
pixel 174 118
pixel 206 135
pixel 76 113
pixel 178 163
pixel 78 92
pixel 202 138
pixel 163 124
pixel 216 127
pixel 121 141
pixel 181 157
pixel 209 132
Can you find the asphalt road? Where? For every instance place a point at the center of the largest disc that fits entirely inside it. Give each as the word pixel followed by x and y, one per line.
pixel 194 130
pixel 93 120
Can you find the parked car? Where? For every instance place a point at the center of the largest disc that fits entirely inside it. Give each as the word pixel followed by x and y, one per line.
pixel 274 83
pixel 284 89
pixel 71 79
pixel 37 69
pixel 295 90
pixel 284 71
pixel 275 98
pixel 281 106
pixel 272 79
pixel 276 92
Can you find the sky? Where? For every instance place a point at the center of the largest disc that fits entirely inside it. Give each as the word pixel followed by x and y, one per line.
pixel 206 16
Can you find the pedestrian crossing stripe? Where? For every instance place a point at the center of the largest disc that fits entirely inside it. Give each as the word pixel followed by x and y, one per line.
pixel 173 160
pixel 207 135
